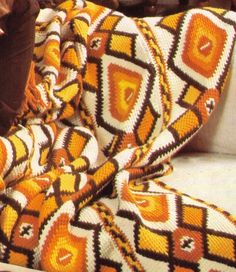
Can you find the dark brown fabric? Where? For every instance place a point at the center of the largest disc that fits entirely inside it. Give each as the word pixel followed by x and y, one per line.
pixel 234 5
pixel 112 4
pixel 16 50
pixel 49 3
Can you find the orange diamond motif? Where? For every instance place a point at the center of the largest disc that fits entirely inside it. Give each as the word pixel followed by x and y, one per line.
pixel 69 251
pixel 203 48
pixel 193 216
pixel 124 91
pixel 64 257
pixel 188 244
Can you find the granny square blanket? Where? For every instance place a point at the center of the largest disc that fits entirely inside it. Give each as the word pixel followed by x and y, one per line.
pixel 109 100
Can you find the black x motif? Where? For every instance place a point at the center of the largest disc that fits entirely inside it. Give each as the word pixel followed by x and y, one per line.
pixel 95 43
pixel 210 105
pixel 25 230
pixel 187 243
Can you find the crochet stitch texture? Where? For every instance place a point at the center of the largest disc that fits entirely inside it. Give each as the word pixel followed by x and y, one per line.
pixel 110 100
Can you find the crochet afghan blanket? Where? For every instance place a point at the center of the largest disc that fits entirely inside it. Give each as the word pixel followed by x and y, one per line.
pixel 109 101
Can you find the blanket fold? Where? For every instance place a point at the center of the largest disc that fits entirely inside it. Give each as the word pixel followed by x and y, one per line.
pixel 109 101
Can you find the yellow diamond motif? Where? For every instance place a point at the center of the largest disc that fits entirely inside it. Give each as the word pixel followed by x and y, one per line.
pixel 153 242
pixel 121 44
pixel 109 22
pixel 193 216
pixel 191 95
pixel 221 246
pixel 172 21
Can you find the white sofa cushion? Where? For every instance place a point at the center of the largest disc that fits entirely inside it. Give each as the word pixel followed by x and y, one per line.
pixel 206 176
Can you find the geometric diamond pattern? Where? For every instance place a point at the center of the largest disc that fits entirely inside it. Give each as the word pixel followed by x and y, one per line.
pixel 206 59
pixel 201 51
pixel 109 101
pixel 152 242
pixel 124 86
pixel 193 217
pixel 215 242
pixel 188 245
